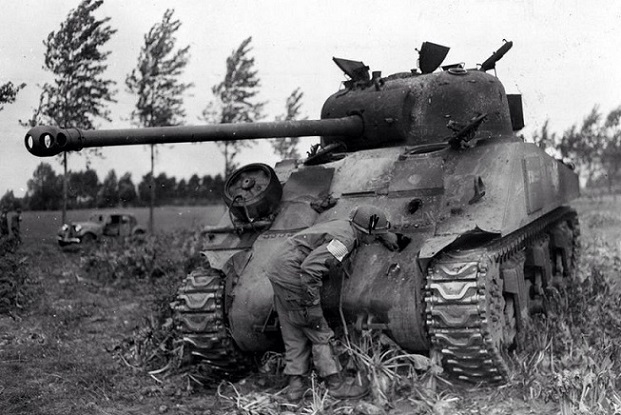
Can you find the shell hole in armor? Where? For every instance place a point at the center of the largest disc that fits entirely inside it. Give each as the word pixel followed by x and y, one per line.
pixel 252 192
pixel 414 205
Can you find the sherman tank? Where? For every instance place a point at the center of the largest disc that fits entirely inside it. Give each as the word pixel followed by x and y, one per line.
pixel 483 217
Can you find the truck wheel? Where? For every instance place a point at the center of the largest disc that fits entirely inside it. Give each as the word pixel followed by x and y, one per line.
pixel 87 240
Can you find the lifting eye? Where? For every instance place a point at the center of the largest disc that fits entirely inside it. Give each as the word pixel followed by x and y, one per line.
pixel 414 205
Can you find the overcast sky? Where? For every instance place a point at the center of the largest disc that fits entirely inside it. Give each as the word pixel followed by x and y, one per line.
pixel 565 60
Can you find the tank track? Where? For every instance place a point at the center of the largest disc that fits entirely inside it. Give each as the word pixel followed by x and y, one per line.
pixel 199 316
pixel 469 322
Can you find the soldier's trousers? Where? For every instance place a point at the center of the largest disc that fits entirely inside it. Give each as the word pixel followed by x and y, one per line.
pixel 302 341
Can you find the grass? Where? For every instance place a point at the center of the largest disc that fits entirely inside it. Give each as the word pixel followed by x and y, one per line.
pixel 83 341
pixel 573 357
pixel 41 226
pixel 571 363
pixel 91 334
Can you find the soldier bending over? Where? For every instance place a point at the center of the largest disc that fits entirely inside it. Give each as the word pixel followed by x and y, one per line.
pixel 296 274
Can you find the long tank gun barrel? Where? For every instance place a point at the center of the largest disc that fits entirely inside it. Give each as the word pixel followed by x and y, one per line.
pixel 47 141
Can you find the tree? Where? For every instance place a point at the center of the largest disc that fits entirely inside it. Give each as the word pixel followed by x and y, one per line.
pixel 8 93
pixel 82 188
pixel 286 148
pixel 544 139
pixel 193 188
pixel 155 82
pixel 165 188
pixel 44 189
pixel 583 145
pixel 127 190
pixel 181 192
pixel 108 195
pixel 235 101
pixel 610 157
pixel 9 201
pixel 145 189
pixel 212 188
pixel 595 147
pixel 79 93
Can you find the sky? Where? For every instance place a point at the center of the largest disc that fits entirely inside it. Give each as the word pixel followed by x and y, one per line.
pixel 565 60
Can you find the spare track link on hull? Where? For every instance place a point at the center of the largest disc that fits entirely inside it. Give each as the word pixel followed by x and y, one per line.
pixel 465 309
pixel 198 314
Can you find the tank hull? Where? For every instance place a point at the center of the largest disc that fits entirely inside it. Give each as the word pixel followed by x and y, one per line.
pixel 432 197
pixel 485 215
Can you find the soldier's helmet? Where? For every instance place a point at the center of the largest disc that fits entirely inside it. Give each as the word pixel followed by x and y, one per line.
pixel 369 219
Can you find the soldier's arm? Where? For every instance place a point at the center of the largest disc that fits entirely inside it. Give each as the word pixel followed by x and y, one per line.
pixel 390 240
pixel 317 264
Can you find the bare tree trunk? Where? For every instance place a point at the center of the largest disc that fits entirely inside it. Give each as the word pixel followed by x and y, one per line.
pixel 227 163
pixel 152 188
pixel 65 180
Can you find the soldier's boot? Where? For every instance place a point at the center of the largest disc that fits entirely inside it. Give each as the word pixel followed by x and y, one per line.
pixel 297 387
pixel 341 388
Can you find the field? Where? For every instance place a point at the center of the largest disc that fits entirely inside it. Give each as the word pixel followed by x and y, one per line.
pixel 89 333
pixel 42 226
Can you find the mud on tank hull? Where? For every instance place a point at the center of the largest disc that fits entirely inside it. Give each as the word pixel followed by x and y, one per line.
pixel 490 232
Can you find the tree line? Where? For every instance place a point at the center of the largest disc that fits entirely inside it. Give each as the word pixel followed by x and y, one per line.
pixel 87 191
pixel 80 92
pixel 593 146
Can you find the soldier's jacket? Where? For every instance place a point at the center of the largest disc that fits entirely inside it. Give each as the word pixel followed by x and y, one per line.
pixel 297 267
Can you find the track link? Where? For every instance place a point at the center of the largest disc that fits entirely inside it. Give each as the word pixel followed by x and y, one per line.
pixel 470 323
pixel 199 316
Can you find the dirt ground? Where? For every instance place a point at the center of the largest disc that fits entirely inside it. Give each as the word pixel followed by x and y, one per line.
pixel 64 351
pixel 58 354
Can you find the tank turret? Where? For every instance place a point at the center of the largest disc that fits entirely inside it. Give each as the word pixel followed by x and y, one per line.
pixel 485 217
pixel 371 112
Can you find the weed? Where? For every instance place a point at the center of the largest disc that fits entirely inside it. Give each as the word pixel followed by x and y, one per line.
pixel 248 404
pixel 601 219
pixel 387 367
pixel 12 277
pixel 572 351
pixel 320 401
pixel 120 261
pixel 432 403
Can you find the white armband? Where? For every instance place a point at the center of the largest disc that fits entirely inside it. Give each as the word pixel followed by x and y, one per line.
pixel 338 249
